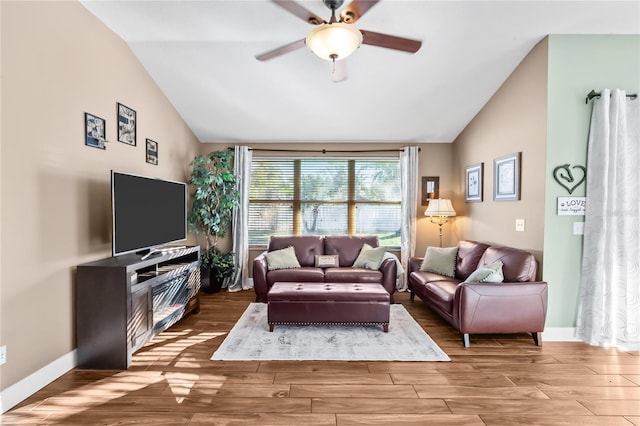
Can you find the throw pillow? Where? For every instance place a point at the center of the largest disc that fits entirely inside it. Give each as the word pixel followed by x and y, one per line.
pixel 487 274
pixel 369 257
pixel 440 261
pixel 326 260
pixel 282 259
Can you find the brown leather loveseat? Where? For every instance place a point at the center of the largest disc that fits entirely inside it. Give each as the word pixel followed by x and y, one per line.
pixel 518 304
pixel 346 247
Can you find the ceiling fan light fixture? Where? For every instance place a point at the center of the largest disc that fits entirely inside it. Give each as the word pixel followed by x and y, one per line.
pixel 333 41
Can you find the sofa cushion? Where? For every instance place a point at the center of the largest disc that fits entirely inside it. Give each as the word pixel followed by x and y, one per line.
pixel 469 254
pixel 440 261
pixel 352 275
pixel 347 247
pixel 303 274
pixel 369 257
pixel 441 293
pixel 421 278
pixel 491 273
pixel 282 259
pixel 518 265
pixel 306 247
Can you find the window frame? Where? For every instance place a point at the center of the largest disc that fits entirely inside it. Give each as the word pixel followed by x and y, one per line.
pixel 297 201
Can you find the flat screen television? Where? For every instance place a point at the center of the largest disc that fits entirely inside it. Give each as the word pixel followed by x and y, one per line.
pixel 146 212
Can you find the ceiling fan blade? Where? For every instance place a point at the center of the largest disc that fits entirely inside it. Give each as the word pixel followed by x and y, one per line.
pixel 281 50
pixel 339 71
pixel 390 42
pixel 300 11
pixel 356 9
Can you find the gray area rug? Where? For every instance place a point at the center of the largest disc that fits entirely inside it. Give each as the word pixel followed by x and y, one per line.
pixel 250 340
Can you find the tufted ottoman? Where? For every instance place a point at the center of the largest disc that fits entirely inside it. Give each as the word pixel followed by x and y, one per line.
pixel 318 303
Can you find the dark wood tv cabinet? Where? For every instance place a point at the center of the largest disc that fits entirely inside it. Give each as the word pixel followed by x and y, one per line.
pixel 123 301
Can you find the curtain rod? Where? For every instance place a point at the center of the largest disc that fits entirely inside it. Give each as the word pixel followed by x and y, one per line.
pixel 325 151
pixel 593 94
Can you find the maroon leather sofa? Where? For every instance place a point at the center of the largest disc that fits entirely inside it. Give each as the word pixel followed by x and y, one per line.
pixel 347 247
pixel 519 304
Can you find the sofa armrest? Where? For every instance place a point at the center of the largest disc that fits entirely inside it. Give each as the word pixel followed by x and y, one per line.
pixel 485 308
pixel 260 277
pixel 414 264
pixel 389 271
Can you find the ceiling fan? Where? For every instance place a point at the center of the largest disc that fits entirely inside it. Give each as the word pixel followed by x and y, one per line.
pixel 338 38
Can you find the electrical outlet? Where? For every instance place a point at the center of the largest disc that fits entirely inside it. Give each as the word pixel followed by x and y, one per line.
pixel 520 225
pixel 3 354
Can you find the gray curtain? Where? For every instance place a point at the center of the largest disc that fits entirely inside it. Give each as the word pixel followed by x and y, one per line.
pixel 242 171
pixel 609 305
pixel 409 207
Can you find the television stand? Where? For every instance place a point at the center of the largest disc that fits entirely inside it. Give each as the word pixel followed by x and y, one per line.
pixel 122 302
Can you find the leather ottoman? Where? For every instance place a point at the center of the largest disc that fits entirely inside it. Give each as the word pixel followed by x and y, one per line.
pixel 317 303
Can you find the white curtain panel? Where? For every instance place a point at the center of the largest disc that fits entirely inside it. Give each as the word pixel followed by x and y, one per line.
pixel 409 207
pixel 242 171
pixel 609 305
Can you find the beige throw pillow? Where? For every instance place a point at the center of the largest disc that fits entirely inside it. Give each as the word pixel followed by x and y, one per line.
pixel 369 257
pixel 282 259
pixel 440 261
pixel 491 273
pixel 326 260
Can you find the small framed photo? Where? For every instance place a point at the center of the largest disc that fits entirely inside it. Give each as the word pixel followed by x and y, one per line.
pixel 126 125
pixel 474 175
pixel 506 177
pixel 152 152
pixel 94 131
pixel 430 189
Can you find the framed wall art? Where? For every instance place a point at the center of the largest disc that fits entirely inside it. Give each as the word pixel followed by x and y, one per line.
pixel 152 152
pixel 506 177
pixel 94 131
pixel 126 125
pixel 430 189
pixel 474 175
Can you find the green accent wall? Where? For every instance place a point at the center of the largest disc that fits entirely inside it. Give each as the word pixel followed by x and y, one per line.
pixel 577 64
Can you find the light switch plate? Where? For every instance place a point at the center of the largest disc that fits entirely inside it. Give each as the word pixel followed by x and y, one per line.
pixel 3 354
pixel 578 228
pixel 520 225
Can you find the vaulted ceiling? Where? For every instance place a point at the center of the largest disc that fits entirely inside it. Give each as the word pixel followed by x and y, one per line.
pixel 202 56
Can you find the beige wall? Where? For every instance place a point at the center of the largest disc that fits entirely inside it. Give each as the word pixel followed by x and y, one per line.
pixel 513 120
pixel 59 61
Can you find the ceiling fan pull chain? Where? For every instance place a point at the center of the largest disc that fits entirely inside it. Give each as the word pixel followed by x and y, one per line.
pixel 333 57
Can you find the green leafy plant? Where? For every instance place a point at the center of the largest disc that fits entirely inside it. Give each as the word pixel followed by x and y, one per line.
pixel 214 199
pixel 221 264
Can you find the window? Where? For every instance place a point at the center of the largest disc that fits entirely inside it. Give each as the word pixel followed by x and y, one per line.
pixel 324 197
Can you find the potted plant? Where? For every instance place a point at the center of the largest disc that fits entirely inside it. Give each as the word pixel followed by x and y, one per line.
pixel 214 198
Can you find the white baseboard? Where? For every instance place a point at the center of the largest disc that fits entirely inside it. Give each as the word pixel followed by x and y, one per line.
pixel 559 334
pixel 14 394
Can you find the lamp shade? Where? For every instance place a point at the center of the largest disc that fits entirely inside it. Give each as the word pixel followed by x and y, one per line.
pixel 440 207
pixel 334 41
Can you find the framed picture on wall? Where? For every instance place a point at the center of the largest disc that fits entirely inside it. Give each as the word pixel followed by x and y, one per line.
pixel 152 152
pixel 473 186
pixel 126 125
pixel 430 189
pixel 506 177
pixel 94 131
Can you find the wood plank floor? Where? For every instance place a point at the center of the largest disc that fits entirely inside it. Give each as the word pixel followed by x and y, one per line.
pixel 500 380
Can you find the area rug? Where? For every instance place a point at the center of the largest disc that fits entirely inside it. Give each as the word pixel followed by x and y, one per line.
pixel 250 340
